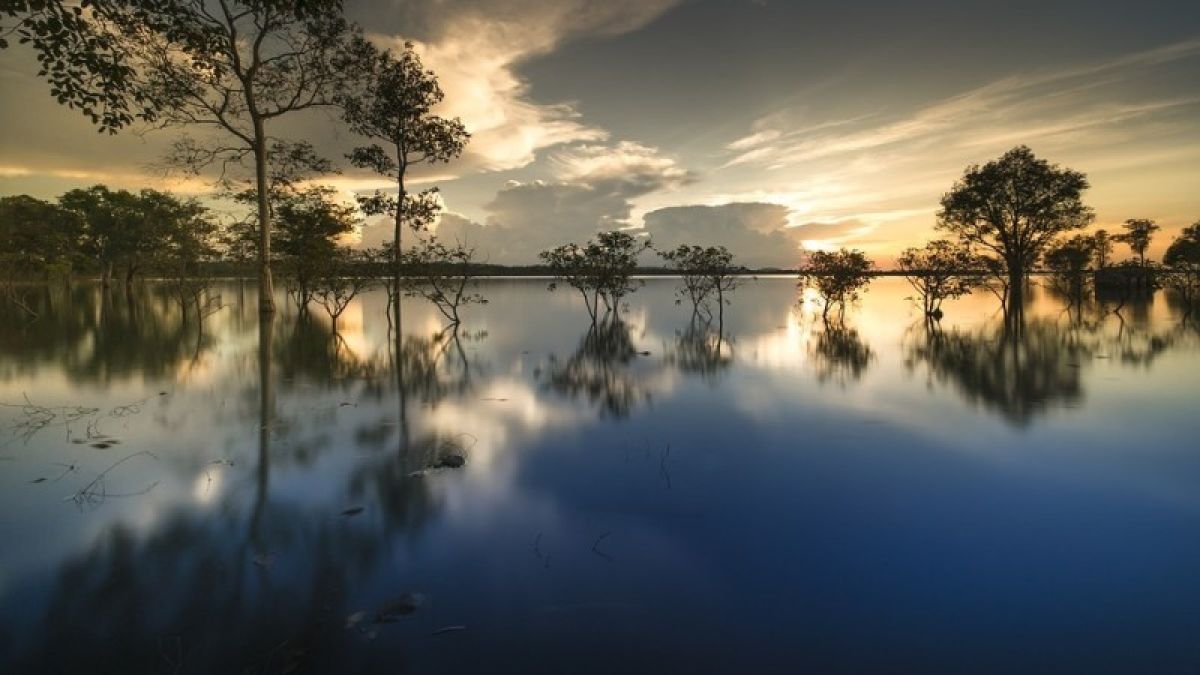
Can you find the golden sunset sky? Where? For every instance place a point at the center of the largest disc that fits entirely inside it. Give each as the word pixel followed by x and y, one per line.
pixel 766 126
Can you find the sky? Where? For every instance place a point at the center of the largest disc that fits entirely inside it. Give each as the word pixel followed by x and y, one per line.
pixel 762 125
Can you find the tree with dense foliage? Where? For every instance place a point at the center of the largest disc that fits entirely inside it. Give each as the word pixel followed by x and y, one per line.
pixel 703 272
pixel 37 237
pixel 395 107
pixel 1137 235
pixel 228 66
pixel 1013 207
pixel 941 270
pixel 601 270
pixel 103 214
pixel 837 276
pixel 310 223
pixel 1182 261
pixel 1068 259
pixel 83 56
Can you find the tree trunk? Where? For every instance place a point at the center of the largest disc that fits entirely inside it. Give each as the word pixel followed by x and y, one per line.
pixel 106 270
pixel 398 228
pixel 266 290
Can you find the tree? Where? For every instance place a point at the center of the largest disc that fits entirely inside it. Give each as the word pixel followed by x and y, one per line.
pixel 1104 247
pixel 1138 233
pixel 395 107
pixel 36 237
pixel 310 223
pixel 942 270
pixel 443 275
pixel 703 272
pixel 838 276
pixel 230 66
pixel 106 217
pixel 84 58
pixel 1183 265
pixel 601 270
pixel 191 243
pixel 1014 207
pixel 341 280
pixel 1069 260
pixel 234 67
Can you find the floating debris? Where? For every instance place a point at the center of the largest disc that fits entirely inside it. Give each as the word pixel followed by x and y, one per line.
pixel 402 606
pixel 451 462
pixel 353 511
pixel 38 480
pixel 449 629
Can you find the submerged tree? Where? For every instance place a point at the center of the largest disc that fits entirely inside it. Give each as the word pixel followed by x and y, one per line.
pixel 940 271
pixel 703 272
pixel 1182 261
pixel 601 270
pixel 1068 259
pixel 443 275
pixel 341 280
pixel 395 107
pixel 1013 207
pixel 838 277
pixel 310 223
pixel 37 237
pixel 1137 235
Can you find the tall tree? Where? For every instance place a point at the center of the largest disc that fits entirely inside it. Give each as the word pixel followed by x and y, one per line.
pixel 395 107
pixel 1138 233
pixel 1013 207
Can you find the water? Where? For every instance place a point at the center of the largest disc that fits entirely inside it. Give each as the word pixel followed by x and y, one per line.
pixel 637 498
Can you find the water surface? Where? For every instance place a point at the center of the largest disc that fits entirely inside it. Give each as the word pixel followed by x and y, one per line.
pixel 640 496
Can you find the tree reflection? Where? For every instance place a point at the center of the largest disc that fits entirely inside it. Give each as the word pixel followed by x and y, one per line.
pixel 839 353
pixel 97 336
pixel 599 369
pixel 701 349
pixel 1019 369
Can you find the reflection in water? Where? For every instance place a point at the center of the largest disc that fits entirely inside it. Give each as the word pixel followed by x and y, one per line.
pixel 1019 368
pixel 305 499
pixel 96 336
pixel 839 354
pixel 599 370
pixel 702 349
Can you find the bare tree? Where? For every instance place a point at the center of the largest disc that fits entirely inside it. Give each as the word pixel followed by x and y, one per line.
pixel 443 275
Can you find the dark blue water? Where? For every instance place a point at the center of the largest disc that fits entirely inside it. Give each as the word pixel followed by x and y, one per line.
pixel 639 496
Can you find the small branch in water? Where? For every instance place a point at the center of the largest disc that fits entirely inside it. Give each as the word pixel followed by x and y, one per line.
pixel 597 551
pixel 96 492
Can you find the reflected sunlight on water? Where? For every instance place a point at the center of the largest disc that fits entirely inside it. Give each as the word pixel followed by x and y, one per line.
pixel 653 492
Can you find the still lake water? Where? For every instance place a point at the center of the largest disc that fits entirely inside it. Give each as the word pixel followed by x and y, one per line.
pixel 638 498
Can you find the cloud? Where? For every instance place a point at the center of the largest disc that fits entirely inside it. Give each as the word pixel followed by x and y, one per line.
pixel 592 192
pixel 1011 109
pixel 476 48
pixel 756 232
